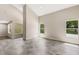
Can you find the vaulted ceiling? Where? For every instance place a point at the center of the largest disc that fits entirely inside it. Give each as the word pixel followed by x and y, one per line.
pixel 11 12
pixel 15 11
pixel 42 9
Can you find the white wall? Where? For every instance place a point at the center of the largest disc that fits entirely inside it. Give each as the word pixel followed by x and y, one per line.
pixel 3 30
pixel 31 24
pixel 10 13
pixel 55 23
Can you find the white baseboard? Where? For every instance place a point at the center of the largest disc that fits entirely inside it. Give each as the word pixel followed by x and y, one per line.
pixel 53 38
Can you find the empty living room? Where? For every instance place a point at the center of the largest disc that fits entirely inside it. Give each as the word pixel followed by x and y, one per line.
pixel 39 29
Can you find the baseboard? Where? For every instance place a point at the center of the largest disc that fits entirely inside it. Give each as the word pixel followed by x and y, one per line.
pixel 61 40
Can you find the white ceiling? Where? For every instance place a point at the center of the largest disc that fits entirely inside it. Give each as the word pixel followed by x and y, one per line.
pixel 19 6
pixel 11 12
pixel 7 12
pixel 42 9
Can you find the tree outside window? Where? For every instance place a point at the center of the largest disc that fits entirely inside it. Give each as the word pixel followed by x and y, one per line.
pixel 72 27
pixel 42 28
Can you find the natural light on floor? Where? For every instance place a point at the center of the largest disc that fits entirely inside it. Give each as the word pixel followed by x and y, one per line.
pixel 72 36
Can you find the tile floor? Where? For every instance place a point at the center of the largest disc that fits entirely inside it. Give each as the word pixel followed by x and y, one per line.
pixel 37 46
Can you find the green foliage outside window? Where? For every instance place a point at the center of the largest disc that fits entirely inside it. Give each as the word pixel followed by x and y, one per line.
pixel 72 27
pixel 41 28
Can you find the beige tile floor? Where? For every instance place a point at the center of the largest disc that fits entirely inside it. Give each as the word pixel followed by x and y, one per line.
pixel 37 46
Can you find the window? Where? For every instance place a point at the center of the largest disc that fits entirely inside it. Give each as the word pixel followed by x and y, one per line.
pixel 42 28
pixel 9 28
pixel 72 27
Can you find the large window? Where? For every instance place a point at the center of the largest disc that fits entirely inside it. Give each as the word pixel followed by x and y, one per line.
pixel 72 27
pixel 42 28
